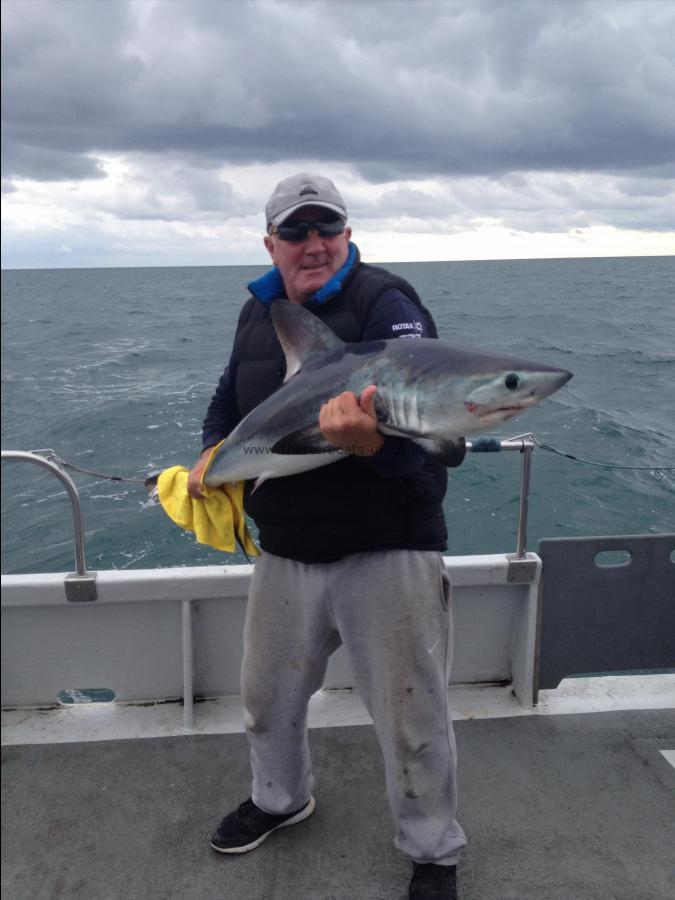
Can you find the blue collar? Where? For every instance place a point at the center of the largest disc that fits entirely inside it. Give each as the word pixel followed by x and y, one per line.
pixel 270 286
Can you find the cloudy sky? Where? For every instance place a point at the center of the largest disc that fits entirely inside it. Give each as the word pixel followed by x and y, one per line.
pixel 151 132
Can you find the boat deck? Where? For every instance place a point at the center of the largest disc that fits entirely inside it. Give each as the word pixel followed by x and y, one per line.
pixel 557 807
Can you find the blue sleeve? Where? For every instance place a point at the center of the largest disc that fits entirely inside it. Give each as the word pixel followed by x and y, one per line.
pixel 396 316
pixel 222 416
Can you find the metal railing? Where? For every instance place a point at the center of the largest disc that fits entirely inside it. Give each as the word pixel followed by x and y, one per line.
pixel 521 569
pixel 80 585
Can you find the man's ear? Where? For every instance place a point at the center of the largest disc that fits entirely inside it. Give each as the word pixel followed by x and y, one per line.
pixel 269 244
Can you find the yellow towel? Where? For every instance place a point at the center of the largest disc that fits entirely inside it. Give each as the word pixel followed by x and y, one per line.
pixel 215 520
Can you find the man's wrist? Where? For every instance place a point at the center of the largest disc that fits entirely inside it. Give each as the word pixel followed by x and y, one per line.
pixel 371 449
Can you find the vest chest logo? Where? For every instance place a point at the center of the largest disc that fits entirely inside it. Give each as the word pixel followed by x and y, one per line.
pixel 415 327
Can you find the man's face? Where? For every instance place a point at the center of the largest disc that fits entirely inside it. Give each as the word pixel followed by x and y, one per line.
pixel 307 265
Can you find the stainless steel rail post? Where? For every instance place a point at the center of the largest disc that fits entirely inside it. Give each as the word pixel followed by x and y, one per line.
pixel 80 585
pixel 524 499
pixel 521 569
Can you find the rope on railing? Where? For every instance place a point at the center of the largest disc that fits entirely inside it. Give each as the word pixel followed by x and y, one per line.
pixel 590 462
pixel 484 444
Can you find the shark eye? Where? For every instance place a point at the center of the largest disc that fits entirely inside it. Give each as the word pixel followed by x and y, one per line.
pixel 512 381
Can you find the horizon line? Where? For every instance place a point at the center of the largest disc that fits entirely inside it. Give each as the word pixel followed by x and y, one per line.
pixel 10 268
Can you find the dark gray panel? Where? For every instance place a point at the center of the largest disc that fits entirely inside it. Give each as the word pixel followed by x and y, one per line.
pixel 606 619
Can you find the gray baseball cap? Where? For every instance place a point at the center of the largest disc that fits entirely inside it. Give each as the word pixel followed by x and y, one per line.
pixel 301 190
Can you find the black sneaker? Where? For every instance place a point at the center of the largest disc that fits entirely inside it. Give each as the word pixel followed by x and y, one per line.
pixel 432 882
pixel 247 827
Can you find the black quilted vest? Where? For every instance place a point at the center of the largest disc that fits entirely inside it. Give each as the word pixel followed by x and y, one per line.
pixel 345 507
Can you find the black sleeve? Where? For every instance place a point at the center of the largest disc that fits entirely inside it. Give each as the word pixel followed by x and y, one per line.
pixel 222 415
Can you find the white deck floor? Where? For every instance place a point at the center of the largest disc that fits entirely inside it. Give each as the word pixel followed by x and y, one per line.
pixel 98 722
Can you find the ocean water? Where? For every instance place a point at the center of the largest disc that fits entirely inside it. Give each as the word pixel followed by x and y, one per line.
pixel 113 369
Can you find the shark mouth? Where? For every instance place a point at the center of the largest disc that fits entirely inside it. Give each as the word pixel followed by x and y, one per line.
pixel 477 410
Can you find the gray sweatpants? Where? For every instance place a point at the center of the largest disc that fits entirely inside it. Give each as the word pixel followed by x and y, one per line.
pixel 391 610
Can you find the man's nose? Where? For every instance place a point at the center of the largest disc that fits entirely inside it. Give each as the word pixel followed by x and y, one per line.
pixel 314 239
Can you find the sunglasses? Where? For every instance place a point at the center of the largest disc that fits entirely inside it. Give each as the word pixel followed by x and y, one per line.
pixel 300 231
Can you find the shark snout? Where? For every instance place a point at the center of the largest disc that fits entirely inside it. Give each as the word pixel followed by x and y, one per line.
pixel 556 380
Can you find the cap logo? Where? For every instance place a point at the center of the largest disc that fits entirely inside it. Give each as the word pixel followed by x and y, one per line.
pixel 308 190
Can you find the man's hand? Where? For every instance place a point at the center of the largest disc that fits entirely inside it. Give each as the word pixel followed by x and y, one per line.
pixel 195 476
pixel 350 422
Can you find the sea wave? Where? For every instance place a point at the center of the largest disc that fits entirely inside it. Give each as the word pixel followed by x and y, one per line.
pixel 106 388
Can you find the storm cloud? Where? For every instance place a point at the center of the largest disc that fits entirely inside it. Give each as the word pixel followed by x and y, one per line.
pixel 505 105
pixel 398 89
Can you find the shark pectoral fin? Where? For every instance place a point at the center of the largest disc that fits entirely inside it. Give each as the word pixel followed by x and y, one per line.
pixel 301 334
pixel 305 440
pixel 443 450
pixel 448 453
pixel 259 480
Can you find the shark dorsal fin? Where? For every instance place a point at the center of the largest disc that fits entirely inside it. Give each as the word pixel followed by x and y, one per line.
pixel 301 334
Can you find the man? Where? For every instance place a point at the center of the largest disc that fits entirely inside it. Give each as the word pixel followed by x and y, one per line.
pixel 350 554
